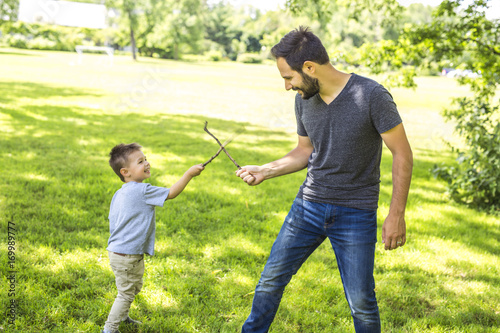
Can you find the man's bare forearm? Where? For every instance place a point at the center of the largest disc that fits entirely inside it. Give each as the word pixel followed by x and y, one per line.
pixel 294 161
pixel 402 167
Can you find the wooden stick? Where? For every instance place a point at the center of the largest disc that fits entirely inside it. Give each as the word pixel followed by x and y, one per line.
pixel 228 141
pixel 217 153
pixel 221 146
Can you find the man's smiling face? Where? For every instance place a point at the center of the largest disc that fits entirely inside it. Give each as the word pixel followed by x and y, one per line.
pixel 305 85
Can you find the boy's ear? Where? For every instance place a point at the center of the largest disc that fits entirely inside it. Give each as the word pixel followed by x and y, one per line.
pixel 124 172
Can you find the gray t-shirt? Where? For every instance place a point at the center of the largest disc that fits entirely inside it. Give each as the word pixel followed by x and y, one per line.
pixel 132 218
pixel 344 167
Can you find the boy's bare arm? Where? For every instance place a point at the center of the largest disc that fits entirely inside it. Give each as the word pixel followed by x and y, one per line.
pixel 178 187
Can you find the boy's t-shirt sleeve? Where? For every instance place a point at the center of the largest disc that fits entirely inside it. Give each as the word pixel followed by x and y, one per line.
pixel 155 196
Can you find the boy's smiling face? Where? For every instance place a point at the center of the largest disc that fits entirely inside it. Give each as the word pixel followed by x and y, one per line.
pixel 137 169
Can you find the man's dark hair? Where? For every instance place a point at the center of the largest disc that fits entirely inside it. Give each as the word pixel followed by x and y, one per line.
pixel 298 46
pixel 118 157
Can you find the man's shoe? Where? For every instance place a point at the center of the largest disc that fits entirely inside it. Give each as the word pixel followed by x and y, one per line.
pixel 129 320
pixel 106 331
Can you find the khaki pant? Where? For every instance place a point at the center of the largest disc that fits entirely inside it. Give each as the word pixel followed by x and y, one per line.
pixel 128 270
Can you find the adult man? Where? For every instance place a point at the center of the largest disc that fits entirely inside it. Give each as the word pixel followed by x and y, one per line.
pixel 342 120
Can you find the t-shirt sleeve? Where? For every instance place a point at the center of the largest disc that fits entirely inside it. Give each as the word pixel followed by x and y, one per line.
pixel 155 196
pixel 298 116
pixel 383 110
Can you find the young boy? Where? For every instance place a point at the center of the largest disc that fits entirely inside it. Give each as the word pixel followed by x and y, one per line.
pixel 132 225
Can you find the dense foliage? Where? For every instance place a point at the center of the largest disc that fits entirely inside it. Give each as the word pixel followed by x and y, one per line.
pixel 49 37
pixel 8 10
pixel 475 180
pixel 469 40
pixel 175 28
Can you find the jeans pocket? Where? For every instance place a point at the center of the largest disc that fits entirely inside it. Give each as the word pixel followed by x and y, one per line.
pixel 353 226
pixel 295 216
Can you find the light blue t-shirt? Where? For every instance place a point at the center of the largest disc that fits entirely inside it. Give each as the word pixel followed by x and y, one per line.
pixel 132 218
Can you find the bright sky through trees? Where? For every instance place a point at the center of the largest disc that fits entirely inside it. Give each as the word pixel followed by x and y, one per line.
pixel 493 12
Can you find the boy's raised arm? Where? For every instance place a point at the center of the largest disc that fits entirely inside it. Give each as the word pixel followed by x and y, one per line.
pixel 180 185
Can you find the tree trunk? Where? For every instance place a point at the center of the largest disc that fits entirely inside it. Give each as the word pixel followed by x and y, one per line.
pixel 132 38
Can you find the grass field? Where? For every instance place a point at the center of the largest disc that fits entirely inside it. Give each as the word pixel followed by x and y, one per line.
pixel 59 118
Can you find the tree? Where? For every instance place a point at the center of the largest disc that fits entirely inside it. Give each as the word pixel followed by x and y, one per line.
pixel 345 25
pixel 464 36
pixel 468 38
pixel 130 9
pixel 322 10
pixel 160 27
pixel 8 10
pixel 220 29
pixel 178 29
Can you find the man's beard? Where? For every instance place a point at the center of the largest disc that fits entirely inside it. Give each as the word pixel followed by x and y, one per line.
pixel 310 86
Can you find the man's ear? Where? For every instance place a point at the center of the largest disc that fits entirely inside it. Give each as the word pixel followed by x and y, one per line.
pixel 309 67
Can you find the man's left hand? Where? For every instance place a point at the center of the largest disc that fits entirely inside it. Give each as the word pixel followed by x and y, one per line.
pixel 394 232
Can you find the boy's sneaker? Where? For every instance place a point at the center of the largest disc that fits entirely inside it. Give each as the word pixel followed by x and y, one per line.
pixel 129 320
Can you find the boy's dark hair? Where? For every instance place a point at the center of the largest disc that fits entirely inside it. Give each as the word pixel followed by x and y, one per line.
pixel 118 157
pixel 298 46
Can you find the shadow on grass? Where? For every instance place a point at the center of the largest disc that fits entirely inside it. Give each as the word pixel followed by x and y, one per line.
pixel 58 187
pixel 12 91
pixel 4 52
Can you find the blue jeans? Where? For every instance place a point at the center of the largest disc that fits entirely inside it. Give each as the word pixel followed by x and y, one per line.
pixel 352 233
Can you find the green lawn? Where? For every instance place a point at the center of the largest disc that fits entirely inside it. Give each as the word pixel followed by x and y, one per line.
pixel 58 120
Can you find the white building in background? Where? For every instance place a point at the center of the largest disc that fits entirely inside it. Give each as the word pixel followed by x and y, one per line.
pixel 71 14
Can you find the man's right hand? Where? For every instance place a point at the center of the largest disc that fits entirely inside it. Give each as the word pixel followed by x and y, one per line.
pixel 251 174
pixel 294 161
